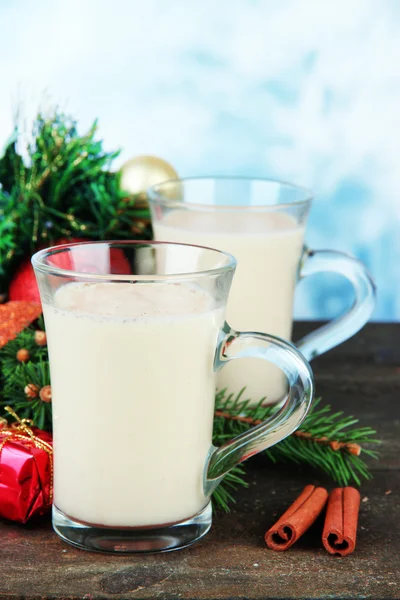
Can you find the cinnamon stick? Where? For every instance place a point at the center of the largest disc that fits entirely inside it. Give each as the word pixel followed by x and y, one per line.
pixel 297 519
pixel 340 529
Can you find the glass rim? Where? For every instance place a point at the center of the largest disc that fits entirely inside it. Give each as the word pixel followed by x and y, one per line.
pixel 155 196
pixel 38 263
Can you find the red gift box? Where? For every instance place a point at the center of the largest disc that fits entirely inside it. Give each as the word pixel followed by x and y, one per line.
pixel 26 471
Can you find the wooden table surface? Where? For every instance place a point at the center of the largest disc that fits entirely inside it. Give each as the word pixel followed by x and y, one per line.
pixel 361 377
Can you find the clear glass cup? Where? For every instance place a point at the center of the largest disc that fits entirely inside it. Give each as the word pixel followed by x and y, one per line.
pixel 262 223
pixel 136 334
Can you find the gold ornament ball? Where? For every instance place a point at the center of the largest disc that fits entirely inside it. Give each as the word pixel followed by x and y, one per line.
pixel 141 172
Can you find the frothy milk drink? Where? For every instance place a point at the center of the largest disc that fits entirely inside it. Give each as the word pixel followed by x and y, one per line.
pixel 268 247
pixel 124 355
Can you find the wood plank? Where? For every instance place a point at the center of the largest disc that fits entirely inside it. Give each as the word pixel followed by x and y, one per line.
pixel 232 562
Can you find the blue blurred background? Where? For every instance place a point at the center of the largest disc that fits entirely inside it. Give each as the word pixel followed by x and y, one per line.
pixel 304 90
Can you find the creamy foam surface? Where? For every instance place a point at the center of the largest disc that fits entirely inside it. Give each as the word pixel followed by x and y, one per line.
pixel 133 400
pixel 133 300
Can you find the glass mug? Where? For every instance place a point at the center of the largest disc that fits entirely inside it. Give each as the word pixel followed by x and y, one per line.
pixel 136 333
pixel 262 223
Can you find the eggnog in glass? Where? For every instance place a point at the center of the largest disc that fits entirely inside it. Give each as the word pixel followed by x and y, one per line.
pixel 262 223
pixel 136 333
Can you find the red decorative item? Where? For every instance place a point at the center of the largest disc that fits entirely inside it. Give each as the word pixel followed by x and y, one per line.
pixel 14 317
pixel 115 262
pixel 24 286
pixel 26 471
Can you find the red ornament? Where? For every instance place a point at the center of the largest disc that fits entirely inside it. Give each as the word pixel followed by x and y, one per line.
pixel 24 287
pixel 115 262
pixel 119 264
pixel 26 472
pixel 14 317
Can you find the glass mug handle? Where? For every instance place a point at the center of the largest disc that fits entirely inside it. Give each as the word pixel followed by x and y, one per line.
pixel 234 345
pixel 339 330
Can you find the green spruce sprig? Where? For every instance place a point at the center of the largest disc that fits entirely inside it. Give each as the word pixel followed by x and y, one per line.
pixel 65 190
pixel 327 440
pixel 25 341
pixel 17 377
pixel 37 375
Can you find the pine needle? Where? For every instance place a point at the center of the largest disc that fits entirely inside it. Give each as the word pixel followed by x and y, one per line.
pixel 313 444
pixel 65 190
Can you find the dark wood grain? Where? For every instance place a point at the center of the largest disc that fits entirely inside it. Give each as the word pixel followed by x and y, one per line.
pixel 361 377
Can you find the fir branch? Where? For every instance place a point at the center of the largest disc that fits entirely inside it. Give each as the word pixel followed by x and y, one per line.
pixel 66 190
pixel 335 445
pixel 26 341
pixel 32 373
pixel 326 440
pixel 222 496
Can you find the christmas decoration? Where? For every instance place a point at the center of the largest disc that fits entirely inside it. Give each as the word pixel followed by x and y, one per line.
pixel 64 190
pixel 142 172
pixel 31 390
pixel 45 393
pixel 23 285
pixel 26 468
pixel 24 348
pixel 15 316
pixel 137 175
pixel 23 355
pixel 40 338
pixel 26 385
pixel 327 440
